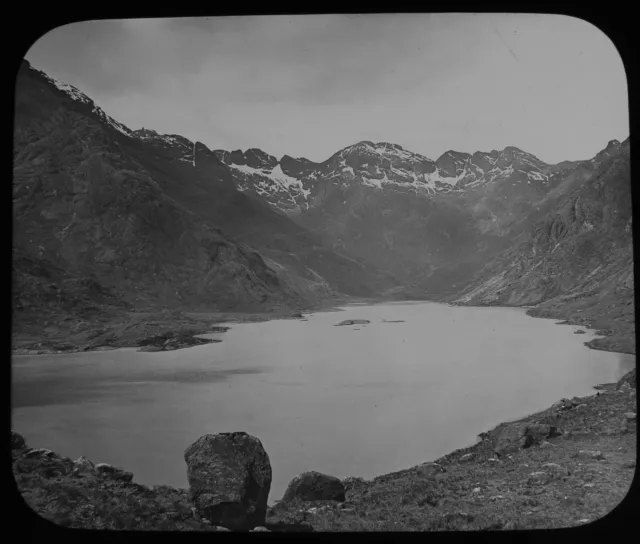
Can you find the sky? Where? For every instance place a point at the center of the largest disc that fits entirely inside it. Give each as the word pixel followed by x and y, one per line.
pixel 309 85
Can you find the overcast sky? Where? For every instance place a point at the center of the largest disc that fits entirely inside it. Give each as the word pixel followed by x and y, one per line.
pixel 308 86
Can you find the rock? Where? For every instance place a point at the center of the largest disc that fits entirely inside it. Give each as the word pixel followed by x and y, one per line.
pixel 538 478
pixel 496 498
pixel 580 407
pixel 260 529
pixel 84 463
pixel 630 464
pixel 509 526
pixel 590 454
pixel 511 437
pixel 352 322
pixel 429 470
pixel 220 529
pixel 351 482
pixel 563 404
pixel 467 457
pixel 556 470
pixel 315 486
pixel 40 452
pixel 632 396
pixel 579 331
pixel 546 444
pixel 113 473
pixel 630 417
pixel 229 478
pixel 17 441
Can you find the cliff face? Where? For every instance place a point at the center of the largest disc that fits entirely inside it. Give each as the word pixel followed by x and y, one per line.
pixel 578 256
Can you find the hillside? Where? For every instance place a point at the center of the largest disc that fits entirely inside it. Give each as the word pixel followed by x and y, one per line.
pixel 107 219
pixel 577 260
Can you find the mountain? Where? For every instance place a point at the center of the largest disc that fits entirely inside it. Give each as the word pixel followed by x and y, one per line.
pixel 120 218
pixel 108 217
pixel 430 223
pixel 578 256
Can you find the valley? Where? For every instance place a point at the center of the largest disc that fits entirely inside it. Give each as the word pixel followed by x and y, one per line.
pixel 139 244
pixel 110 221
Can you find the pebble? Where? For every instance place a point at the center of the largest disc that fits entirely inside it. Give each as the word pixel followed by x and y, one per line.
pixel 467 457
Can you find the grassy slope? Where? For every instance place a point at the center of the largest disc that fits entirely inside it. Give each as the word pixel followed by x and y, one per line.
pixel 482 494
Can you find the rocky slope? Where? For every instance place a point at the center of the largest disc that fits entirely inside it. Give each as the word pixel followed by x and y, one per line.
pixel 578 257
pixel 568 465
pixel 105 217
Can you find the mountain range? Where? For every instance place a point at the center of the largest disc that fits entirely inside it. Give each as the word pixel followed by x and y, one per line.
pixel 105 216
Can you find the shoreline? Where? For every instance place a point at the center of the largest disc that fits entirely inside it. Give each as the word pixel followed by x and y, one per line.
pixel 580 431
pixel 190 325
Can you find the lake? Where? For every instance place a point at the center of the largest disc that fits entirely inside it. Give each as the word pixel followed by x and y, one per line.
pixel 357 400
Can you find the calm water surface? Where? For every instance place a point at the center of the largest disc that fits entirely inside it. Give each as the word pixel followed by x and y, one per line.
pixel 339 400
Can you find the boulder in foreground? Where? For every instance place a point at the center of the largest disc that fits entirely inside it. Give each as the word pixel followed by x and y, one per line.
pixel 314 486
pixel 229 479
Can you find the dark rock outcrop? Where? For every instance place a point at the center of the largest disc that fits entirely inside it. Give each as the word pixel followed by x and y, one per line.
pixel 629 378
pixel 17 441
pixel 229 478
pixel 113 473
pixel 314 486
pixel 511 437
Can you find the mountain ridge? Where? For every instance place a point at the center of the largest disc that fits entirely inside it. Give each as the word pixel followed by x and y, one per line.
pixel 372 220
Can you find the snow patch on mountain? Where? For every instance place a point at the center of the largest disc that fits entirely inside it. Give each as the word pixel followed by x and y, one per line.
pixel 78 96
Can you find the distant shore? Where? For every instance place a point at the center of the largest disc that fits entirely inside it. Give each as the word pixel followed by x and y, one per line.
pixel 140 329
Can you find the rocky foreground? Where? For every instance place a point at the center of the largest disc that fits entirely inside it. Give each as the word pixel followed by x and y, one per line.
pixel 568 465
